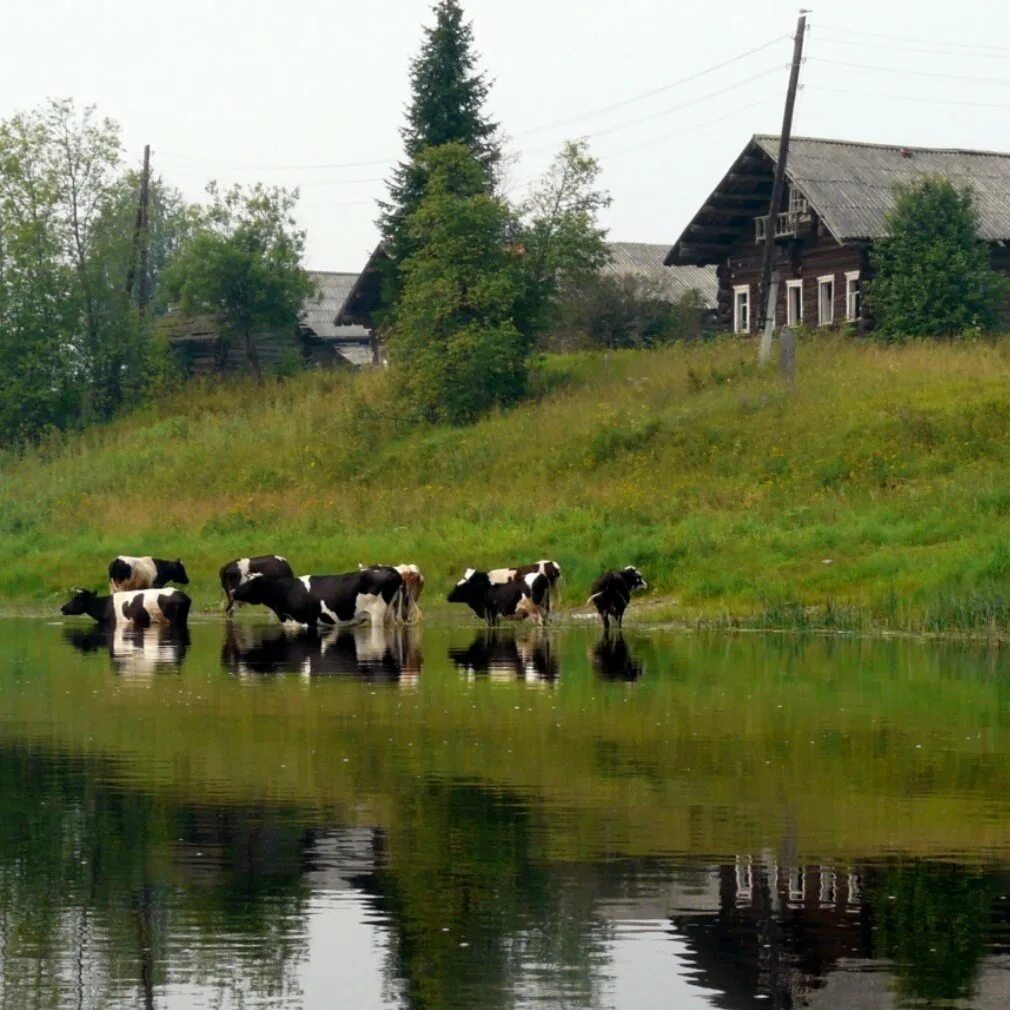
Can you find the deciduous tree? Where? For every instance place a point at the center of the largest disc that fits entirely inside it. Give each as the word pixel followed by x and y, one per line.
pixel 932 272
pixel 243 264
pixel 559 230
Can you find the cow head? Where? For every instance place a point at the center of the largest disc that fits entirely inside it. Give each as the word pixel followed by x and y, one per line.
pixel 551 569
pixel 633 578
pixel 78 603
pixel 473 585
pixel 175 572
pixel 250 591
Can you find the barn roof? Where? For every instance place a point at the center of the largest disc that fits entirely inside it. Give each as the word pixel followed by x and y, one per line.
pixel 645 260
pixel 319 311
pixel 850 185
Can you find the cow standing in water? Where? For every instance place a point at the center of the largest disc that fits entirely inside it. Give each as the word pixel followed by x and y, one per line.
pixel 373 594
pixel 409 611
pixel 551 571
pixel 140 608
pixel 513 599
pixel 611 594
pixel 233 574
pixel 127 572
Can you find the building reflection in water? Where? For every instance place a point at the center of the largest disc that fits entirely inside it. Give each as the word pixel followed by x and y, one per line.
pixel 370 652
pixel 506 657
pixel 612 659
pixel 135 653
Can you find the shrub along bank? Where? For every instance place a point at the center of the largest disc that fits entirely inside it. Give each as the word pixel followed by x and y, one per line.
pixel 875 491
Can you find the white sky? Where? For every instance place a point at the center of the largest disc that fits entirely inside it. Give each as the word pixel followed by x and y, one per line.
pixel 282 91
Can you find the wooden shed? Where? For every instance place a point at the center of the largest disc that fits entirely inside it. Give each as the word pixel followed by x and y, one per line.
pixel 318 341
pixel 838 195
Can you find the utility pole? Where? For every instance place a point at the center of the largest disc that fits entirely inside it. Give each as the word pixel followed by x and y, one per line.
pixel 767 289
pixel 140 237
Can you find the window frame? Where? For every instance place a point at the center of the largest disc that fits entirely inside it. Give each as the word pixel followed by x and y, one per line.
pixel 822 282
pixel 796 284
pixel 852 277
pixel 741 289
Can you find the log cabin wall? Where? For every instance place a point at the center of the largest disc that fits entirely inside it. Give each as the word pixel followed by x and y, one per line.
pixel 809 256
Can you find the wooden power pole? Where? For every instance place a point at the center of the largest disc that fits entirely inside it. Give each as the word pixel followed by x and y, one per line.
pixel 140 237
pixel 768 289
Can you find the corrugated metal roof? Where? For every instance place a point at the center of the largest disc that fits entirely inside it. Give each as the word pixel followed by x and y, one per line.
pixel 642 259
pixel 851 185
pixel 319 311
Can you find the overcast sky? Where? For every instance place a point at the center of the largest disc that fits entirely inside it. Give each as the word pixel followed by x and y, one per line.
pixel 296 92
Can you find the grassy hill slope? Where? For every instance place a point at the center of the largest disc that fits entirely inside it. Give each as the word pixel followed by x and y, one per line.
pixel 876 489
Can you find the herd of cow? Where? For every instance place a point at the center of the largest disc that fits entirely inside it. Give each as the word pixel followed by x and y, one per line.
pixel 381 594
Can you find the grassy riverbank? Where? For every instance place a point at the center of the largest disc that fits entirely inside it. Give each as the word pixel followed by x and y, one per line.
pixel 875 492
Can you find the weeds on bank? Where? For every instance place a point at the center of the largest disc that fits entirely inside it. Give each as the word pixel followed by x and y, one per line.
pixel 873 491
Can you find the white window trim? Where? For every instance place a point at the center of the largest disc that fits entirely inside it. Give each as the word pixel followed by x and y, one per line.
pixel 850 276
pixel 791 286
pixel 821 281
pixel 739 289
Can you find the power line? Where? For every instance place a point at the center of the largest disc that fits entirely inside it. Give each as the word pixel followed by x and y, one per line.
pixel 918 41
pixel 579 117
pixel 691 127
pixel 667 111
pixel 604 109
pixel 912 98
pixel 999 82
pixel 891 47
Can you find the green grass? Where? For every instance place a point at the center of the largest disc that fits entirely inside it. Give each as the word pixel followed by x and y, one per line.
pixel 872 493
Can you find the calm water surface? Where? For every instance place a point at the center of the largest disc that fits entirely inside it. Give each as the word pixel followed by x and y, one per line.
pixel 248 818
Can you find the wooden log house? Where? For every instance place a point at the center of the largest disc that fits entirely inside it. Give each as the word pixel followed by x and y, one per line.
pixel 838 194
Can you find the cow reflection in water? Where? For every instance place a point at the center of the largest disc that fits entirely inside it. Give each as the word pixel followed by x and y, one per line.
pixel 612 659
pixel 502 656
pixel 136 653
pixel 372 652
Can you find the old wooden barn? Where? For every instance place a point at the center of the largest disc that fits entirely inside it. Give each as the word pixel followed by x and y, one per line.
pixel 838 194
pixel 318 341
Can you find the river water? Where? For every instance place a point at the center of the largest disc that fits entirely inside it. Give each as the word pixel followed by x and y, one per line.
pixel 451 819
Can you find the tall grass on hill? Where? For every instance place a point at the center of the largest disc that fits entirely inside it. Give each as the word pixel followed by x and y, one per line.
pixel 874 491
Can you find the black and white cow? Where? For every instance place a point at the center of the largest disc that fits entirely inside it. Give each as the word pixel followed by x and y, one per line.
pixel 512 599
pixel 127 572
pixel 140 608
pixel 551 571
pixel 329 600
pixel 611 594
pixel 413 584
pixel 233 574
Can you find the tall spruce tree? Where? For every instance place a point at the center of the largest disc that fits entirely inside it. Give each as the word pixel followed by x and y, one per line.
pixel 446 107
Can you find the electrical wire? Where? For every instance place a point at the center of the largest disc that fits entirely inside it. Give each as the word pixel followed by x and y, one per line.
pixel 579 117
pixel 909 49
pixel 912 98
pixel 999 82
pixel 917 41
pixel 604 109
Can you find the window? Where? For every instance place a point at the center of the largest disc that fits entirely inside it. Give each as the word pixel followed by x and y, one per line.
pixel 797 203
pixel 741 308
pixel 826 300
pixel 794 303
pixel 853 299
